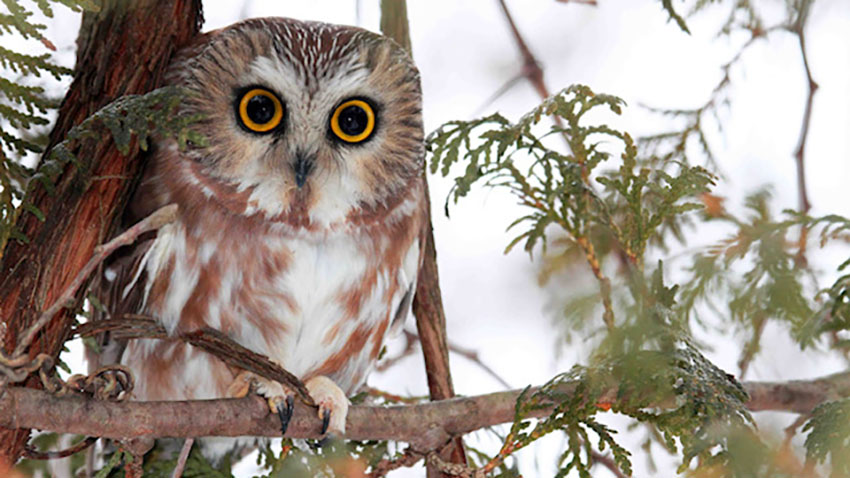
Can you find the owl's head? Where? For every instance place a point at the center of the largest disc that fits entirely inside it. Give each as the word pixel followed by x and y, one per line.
pixel 306 122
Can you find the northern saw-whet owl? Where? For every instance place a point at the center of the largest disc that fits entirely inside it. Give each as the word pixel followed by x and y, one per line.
pixel 300 225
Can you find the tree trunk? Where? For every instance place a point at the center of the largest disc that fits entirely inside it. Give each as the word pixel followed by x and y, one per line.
pixel 123 49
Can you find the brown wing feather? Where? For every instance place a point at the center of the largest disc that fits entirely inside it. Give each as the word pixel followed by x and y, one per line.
pixel 110 285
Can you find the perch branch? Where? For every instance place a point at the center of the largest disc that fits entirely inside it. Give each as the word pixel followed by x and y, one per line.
pixel 426 426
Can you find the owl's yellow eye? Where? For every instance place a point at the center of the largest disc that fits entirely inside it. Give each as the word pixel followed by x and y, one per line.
pixel 353 121
pixel 260 110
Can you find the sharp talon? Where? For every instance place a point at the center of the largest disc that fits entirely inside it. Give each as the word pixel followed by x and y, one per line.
pixel 326 420
pixel 284 412
pixel 325 441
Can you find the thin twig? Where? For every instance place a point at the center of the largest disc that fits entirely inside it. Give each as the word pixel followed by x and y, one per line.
pixel 498 93
pixel 411 340
pixel 803 195
pixel 530 67
pixel 34 454
pixel 791 429
pixel 472 356
pixel 161 217
pixel 181 459
pixel 410 346
pixel 752 346
pixel 607 462
pixel 532 71
pixel 406 460
pixel 210 340
pixel 604 283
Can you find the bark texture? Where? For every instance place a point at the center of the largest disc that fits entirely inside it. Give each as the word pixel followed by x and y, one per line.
pixel 123 49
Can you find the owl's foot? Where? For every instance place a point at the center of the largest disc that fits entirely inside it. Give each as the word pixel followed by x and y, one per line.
pixel 280 399
pixel 332 402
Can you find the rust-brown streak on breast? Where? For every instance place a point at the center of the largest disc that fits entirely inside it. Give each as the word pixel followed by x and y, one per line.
pixel 333 332
pixel 300 201
pixel 378 337
pixel 225 194
pixel 194 313
pixel 260 272
pixel 160 285
pixel 220 220
pixel 157 372
pixel 352 298
pixel 164 375
pixel 355 343
pixel 399 235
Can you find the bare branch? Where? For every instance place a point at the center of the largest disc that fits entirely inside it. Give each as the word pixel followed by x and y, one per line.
pixel 408 459
pixel 210 340
pixel 607 462
pixel 802 191
pixel 426 426
pixel 181 460
pixel 752 346
pixel 530 67
pixel 412 339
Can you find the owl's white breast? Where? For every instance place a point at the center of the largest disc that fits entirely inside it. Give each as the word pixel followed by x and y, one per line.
pixel 317 303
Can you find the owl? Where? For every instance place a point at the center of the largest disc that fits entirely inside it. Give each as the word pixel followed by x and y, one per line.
pixel 301 219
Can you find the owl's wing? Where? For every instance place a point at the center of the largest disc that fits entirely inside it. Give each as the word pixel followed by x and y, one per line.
pixel 119 287
pixel 407 277
pixel 119 290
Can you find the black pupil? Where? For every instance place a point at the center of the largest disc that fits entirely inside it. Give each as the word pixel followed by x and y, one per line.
pixel 353 120
pixel 260 109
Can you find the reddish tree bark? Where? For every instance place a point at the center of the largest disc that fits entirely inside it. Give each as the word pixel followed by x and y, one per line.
pixel 123 49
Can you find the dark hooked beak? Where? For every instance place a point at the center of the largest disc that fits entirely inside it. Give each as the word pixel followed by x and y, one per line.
pixel 303 166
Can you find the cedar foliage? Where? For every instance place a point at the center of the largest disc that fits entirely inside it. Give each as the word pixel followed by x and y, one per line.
pixel 24 107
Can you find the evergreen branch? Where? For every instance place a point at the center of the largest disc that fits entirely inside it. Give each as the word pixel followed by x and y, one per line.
pixel 32 97
pixel 20 119
pixel 668 5
pixel 18 19
pixel 16 144
pixel 31 64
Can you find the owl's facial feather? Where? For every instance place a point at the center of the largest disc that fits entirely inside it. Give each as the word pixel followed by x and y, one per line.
pixel 301 164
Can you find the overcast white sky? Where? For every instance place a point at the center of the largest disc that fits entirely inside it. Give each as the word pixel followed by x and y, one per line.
pixel 622 47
